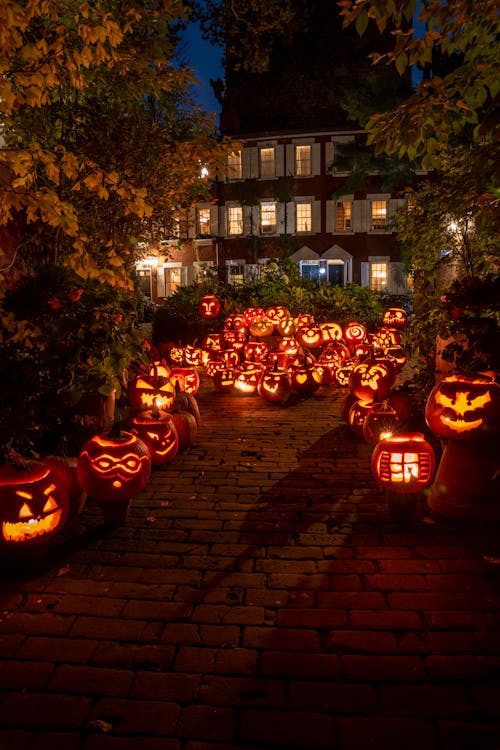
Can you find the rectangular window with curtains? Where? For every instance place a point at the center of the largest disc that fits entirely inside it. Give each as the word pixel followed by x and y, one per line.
pixel 378 276
pixel 203 227
pixel 235 220
pixel 268 217
pixel 234 166
pixel 303 217
pixel 303 163
pixel 267 162
pixel 379 215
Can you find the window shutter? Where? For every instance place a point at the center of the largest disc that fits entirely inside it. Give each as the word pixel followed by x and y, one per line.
pixel 330 216
pixel 279 156
pixel 329 151
pixel 366 216
pixel 365 274
pixel 316 158
pixel 214 220
pixel 191 223
pixel 247 220
pixel 290 217
pixel 222 222
pixel 290 159
pixel 252 167
pixel 160 281
pixel 280 218
pixel 316 216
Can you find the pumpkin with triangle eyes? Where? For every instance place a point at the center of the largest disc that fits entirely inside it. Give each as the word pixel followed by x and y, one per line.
pixel 275 385
pixel 150 387
pixel 157 430
pixel 34 503
pixel 464 407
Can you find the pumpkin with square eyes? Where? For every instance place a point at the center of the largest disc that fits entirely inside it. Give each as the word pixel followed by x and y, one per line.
pixel 157 430
pixel 114 466
pixel 35 504
pixel 403 463
pixel 223 377
pixel 464 407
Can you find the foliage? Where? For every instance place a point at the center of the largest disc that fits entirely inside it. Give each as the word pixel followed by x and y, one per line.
pixel 178 319
pixel 79 338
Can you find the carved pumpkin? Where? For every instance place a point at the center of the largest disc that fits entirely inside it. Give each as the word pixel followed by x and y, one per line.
pixel 384 338
pixel 34 503
pixel 305 378
pixel 275 385
pixel 187 378
pixel 290 346
pixel 403 463
pixel 235 338
pixel 464 407
pixel 262 328
pixel 184 401
pixel 354 333
pixel 223 377
pixel 157 430
pixel 331 332
pixel 275 314
pixel 231 357
pixel 234 322
pixel 357 415
pixel 343 371
pixel 146 388
pixel 286 327
pixel 336 352
pixel 209 306
pixel 304 319
pixel 382 422
pixel 399 355
pixel 194 356
pixel 310 337
pixel 213 343
pixel 248 376
pixel 255 351
pixel 186 427
pixel 395 317
pixel 176 355
pixel 251 314
pixel 114 466
pixel 371 381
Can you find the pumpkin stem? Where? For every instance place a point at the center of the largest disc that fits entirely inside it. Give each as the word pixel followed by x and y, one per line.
pixel 19 461
pixel 116 429
pixel 155 411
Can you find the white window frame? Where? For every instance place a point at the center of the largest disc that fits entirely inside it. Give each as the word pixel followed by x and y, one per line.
pixel 268 217
pixel 379 212
pixel 303 160
pixel 267 162
pixel 235 165
pixel 234 222
pixel 203 225
pixel 343 216
pixel 303 218
pixel 379 275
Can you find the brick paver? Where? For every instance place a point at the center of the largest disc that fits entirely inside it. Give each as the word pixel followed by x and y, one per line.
pixel 261 596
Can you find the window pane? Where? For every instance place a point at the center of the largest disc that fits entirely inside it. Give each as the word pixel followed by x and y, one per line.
pixel 235 220
pixel 378 276
pixel 267 168
pixel 234 166
pixel 303 160
pixel 341 162
pixel 343 218
pixel 303 217
pixel 203 226
pixel 236 275
pixel 379 214
pixel 268 217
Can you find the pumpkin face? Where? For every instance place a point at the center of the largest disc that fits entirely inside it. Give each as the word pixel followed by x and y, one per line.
pixel 261 328
pixel 336 352
pixel 213 342
pixel 311 337
pixel 255 351
pixel 277 313
pixel 289 345
pixel 177 355
pixel 251 314
pixel 187 377
pixel 193 355
pixel 231 357
pixel 384 338
pixel 209 306
pixel 35 504
pixel 157 430
pixel 464 407
pixel 403 463
pixel 305 379
pixel 304 319
pixel 151 387
pixel 114 468
pixel 223 377
pixel 371 382
pixel 275 385
pixel 395 317
pixel 331 332
pixel 286 327
pixel 235 338
pixel 248 376
pixel 357 415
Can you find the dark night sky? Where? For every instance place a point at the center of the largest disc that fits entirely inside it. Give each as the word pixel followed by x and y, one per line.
pixel 205 58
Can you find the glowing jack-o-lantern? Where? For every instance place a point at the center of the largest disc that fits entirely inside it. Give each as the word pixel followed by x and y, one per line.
pixel 403 463
pixel 304 319
pixel 305 378
pixel 176 355
pixel 336 352
pixel 276 313
pixel 262 328
pixel 157 430
pixel 187 377
pixel 395 317
pixel 34 503
pixel 286 327
pixel 234 322
pixel 209 306
pixel 382 422
pixel 213 343
pixel 251 314
pixel 357 415
pixel 371 381
pixel 255 351
pixel 464 407
pixel 194 355
pixel 152 386
pixel 275 385
pixel 223 377
pixel 331 331
pixel 248 376
pixel 354 333
pixel 114 466
pixel 310 337
pixel 343 372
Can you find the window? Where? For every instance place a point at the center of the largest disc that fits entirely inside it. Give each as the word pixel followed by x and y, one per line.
pixel 379 215
pixel 341 160
pixel 303 160
pixel 378 276
pixel 267 162
pixel 303 217
pixel 234 166
pixel 268 217
pixel 236 274
pixel 235 220
pixel 203 222
pixel 343 216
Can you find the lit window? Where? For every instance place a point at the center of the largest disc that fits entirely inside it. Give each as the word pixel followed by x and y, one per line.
pixel 379 214
pixel 268 217
pixel 236 274
pixel 343 216
pixel 267 163
pixel 234 166
pixel 303 217
pixel 203 221
pixel 303 160
pixel 378 277
pixel 235 220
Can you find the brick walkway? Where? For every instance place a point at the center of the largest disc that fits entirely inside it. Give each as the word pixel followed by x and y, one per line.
pixel 261 596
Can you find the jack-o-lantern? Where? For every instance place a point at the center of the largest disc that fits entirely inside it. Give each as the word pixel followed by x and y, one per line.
pixel 211 365
pixel 362 350
pixel 286 327
pixel 357 415
pixel 395 317
pixel 34 503
pixel 305 378
pixel 275 385
pixel 336 352
pixel 464 407
pixel 235 338
pixel 223 377
pixel 343 371
pixel 398 354
pixel 354 332
pixel 187 377
pixel 403 463
pixel 371 381
pixel 213 343
pixel 382 422
pixel 326 372
pixel 310 337
pixel 194 356
pixel 304 319
pixel 234 322
pixel 384 338
pixel 251 314
pixel 209 306
pixel 176 355
pixel 290 345
pixel 255 351
pixel 231 357
pixel 155 385
pixel 262 328
pixel 331 331
pixel 157 430
pixel 114 466
pixel 248 376
pixel 276 313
